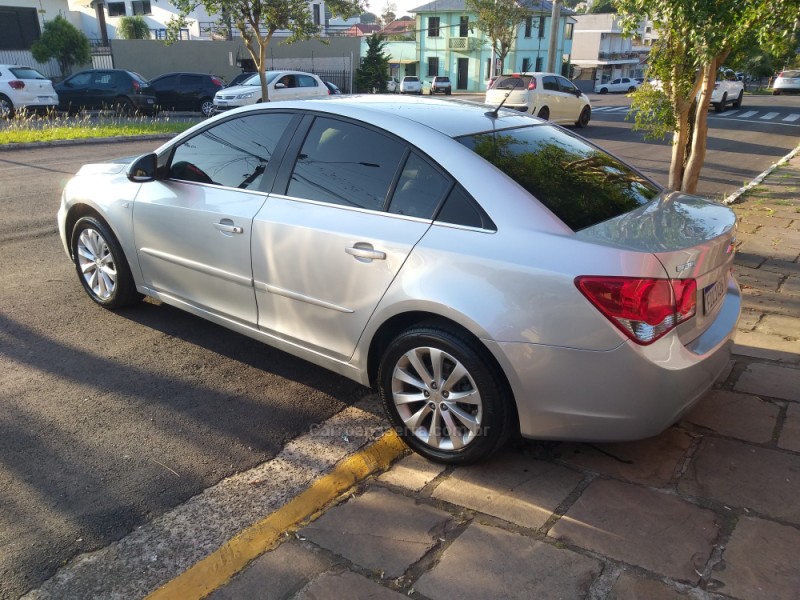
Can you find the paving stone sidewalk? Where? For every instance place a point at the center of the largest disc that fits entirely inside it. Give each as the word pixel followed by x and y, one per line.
pixel 708 509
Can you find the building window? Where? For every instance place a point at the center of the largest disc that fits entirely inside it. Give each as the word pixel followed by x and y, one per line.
pixel 20 27
pixel 116 9
pixel 488 68
pixel 526 64
pixel 463 27
pixel 568 29
pixel 528 26
pixel 433 26
pixel 541 27
pixel 539 62
pixel 141 7
pixel 316 14
pixel 433 66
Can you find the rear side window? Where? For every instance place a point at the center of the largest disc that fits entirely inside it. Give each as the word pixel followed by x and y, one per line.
pixel 461 209
pixel 419 190
pixel 347 164
pixel 581 184
pixel 306 81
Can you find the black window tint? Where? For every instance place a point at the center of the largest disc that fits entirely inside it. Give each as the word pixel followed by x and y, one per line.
pixel 80 79
pixel 511 83
pixel 191 81
pixel 345 164
pixel 419 190
pixel 566 85
pixel 460 209
pixel 581 184
pixel 26 73
pixel 549 83
pixel 234 153
pixel 165 83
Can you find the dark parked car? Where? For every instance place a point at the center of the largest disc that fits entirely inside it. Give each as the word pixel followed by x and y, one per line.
pixel 333 89
pixel 187 91
pixel 241 78
pixel 126 92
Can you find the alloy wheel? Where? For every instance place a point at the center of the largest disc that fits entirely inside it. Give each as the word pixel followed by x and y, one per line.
pixel 97 263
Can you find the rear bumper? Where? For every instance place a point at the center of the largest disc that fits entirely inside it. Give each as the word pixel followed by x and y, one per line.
pixel 631 392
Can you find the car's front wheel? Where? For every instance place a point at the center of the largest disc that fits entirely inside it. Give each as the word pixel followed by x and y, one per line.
pixel 720 106
pixel 738 101
pixel 101 264
pixel 443 394
pixel 584 118
pixel 207 107
pixel 604 90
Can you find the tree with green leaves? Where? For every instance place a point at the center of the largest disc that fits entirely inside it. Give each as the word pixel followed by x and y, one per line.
pixel 500 20
pixel 258 20
pixel 133 28
pixel 64 42
pixel 373 73
pixel 696 37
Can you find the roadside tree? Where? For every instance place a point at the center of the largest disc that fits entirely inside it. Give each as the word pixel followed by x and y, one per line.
pixel 695 39
pixel 499 19
pixel 372 75
pixel 64 42
pixel 258 20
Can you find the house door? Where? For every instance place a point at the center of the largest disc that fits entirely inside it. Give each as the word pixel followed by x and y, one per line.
pixel 463 70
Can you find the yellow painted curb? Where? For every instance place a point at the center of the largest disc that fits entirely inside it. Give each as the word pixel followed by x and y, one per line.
pixel 215 570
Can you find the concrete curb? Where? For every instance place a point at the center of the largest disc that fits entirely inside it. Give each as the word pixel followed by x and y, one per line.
pixel 218 568
pixel 732 198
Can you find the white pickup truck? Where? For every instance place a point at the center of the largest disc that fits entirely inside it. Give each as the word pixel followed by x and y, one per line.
pixel 727 90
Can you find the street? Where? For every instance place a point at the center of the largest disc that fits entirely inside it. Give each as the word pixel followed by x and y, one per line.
pixel 112 418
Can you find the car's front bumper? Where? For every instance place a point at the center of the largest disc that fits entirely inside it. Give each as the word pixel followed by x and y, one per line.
pixel 630 392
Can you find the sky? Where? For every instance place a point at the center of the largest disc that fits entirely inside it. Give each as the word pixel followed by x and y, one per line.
pixel 403 6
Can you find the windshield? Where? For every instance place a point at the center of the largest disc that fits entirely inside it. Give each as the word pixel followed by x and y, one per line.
pixel 578 182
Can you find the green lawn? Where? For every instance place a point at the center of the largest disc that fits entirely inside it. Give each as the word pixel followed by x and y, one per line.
pixel 32 128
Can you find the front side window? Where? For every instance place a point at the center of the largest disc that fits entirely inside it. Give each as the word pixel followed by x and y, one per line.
pixel 346 164
pixel 169 82
pixel 433 26
pixel 579 183
pixel 232 154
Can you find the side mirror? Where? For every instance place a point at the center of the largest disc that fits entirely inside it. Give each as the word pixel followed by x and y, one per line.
pixel 578 93
pixel 143 169
pixel 280 86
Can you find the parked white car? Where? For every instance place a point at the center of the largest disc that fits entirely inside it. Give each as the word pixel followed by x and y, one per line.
pixel 620 84
pixel 545 95
pixel 281 85
pixel 410 85
pixel 728 89
pixel 786 81
pixel 24 88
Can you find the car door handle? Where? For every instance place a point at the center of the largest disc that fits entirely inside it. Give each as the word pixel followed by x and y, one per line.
pixel 227 226
pixel 365 251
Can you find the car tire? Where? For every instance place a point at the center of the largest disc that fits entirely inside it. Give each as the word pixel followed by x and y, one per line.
pixel 584 118
pixel 604 90
pixel 101 264
pixel 739 98
pixel 720 106
pixel 420 363
pixel 544 113
pixel 124 107
pixel 631 89
pixel 776 92
pixel 447 93
pixel 6 107
pixel 207 107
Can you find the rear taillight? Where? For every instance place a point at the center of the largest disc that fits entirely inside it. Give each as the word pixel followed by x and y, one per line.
pixel 217 82
pixel 16 84
pixel 136 86
pixel 532 84
pixel 643 309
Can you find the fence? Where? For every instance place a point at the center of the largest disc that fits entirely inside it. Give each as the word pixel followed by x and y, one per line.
pixel 24 58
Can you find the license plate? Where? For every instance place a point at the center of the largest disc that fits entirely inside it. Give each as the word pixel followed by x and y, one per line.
pixel 43 98
pixel 150 101
pixel 713 295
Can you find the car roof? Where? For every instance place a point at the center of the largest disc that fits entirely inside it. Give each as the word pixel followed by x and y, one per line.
pixel 452 118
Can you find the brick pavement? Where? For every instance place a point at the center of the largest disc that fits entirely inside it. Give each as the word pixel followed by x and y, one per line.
pixel 708 509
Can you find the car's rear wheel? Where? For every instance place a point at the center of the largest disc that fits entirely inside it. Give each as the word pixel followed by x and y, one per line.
pixel 124 107
pixel 101 264
pixel 776 92
pixel 443 394
pixel 6 107
pixel 544 113
pixel 207 107
pixel 738 101
pixel 631 89
pixel 584 118
pixel 447 92
pixel 604 90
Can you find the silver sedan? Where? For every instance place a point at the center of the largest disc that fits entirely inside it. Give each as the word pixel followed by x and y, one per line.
pixel 489 272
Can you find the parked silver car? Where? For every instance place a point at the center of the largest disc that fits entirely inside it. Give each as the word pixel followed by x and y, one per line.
pixel 487 271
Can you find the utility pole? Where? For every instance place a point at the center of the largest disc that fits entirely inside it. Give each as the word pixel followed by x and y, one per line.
pixel 554 31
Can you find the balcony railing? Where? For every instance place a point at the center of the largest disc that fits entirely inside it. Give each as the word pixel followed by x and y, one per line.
pixel 463 44
pixel 619 55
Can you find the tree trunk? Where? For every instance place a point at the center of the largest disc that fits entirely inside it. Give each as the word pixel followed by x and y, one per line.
pixel 697 150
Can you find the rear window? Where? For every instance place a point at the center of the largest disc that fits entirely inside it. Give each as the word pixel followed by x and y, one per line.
pixel 511 83
pixel 137 78
pixel 578 182
pixel 410 79
pixel 790 74
pixel 26 73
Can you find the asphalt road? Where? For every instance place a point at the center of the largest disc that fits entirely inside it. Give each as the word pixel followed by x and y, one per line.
pixel 110 419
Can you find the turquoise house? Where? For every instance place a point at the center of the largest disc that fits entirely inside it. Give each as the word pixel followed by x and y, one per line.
pixel 448 43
